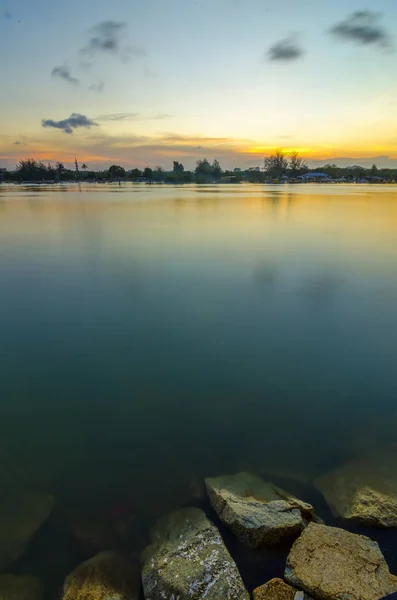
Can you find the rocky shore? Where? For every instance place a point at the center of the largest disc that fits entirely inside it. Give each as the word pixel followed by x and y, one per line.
pixel 190 553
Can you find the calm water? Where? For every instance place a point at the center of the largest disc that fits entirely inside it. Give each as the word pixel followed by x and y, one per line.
pixel 151 336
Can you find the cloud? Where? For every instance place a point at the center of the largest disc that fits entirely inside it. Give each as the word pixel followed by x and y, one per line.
pixel 107 37
pixel 132 117
pixel 63 71
pixel 285 50
pixel 362 27
pixel 97 87
pixel 75 121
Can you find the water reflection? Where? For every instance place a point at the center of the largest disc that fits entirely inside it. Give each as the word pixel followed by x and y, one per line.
pixel 160 335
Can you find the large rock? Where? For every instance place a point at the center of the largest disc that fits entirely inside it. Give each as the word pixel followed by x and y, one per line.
pixel 107 576
pixel 188 560
pixel 333 564
pixel 22 512
pixel 20 588
pixel 364 489
pixel 277 589
pixel 259 513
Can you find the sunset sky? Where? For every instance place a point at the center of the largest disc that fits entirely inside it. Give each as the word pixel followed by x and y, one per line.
pixel 142 83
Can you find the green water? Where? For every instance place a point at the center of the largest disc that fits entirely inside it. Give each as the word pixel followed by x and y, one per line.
pixel 152 336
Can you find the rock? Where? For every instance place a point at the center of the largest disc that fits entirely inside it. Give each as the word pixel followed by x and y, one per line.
pixel 188 560
pixel 22 512
pixel 106 576
pixel 20 588
pixel 333 564
pixel 259 513
pixel 364 489
pixel 277 589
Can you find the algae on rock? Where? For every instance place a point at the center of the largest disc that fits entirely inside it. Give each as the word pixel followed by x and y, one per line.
pixel 188 560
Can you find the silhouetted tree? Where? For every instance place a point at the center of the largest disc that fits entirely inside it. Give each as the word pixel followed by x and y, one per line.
pixel 297 164
pixel 148 173
pixel 31 170
pixel 158 174
pixel 116 172
pixel 178 168
pixel 216 169
pixel 136 173
pixel 373 171
pixel 203 168
pixel 276 164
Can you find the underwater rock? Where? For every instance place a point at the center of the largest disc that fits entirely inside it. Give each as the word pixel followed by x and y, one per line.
pixel 20 588
pixel 364 489
pixel 333 564
pixel 259 513
pixel 106 576
pixel 188 560
pixel 277 589
pixel 22 512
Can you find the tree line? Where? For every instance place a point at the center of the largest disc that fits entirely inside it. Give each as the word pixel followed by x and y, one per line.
pixel 276 167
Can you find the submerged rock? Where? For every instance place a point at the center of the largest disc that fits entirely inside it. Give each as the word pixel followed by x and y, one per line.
pixel 22 512
pixel 364 489
pixel 333 564
pixel 106 576
pixel 277 589
pixel 189 561
pixel 20 588
pixel 257 512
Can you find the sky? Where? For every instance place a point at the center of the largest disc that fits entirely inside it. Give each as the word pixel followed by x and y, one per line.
pixel 144 83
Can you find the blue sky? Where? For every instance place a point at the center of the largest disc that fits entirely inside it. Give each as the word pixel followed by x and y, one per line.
pixel 186 79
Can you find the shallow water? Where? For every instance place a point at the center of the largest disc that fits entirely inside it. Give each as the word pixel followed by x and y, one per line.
pixel 154 335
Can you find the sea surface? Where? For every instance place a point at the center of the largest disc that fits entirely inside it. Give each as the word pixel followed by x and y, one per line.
pixel 151 336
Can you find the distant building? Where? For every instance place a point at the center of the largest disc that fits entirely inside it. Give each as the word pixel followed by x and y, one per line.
pixel 315 177
pixel 237 170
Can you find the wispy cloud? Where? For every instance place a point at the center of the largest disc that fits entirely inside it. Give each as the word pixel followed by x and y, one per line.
pixel 63 72
pixel 75 121
pixel 132 117
pixel 108 37
pixel 364 28
pixel 285 50
pixel 97 87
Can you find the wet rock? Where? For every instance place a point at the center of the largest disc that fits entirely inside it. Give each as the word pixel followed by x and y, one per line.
pixel 106 576
pixel 333 564
pixel 277 589
pixel 20 588
pixel 188 560
pixel 364 489
pixel 22 512
pixel 257 512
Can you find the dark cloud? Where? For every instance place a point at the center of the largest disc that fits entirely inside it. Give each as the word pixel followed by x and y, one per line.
pixel 75 121
pixel 97 87
pixel 63 72
pixel 362 27
pixel 285 50
pixel 132 117
pixel 107 37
